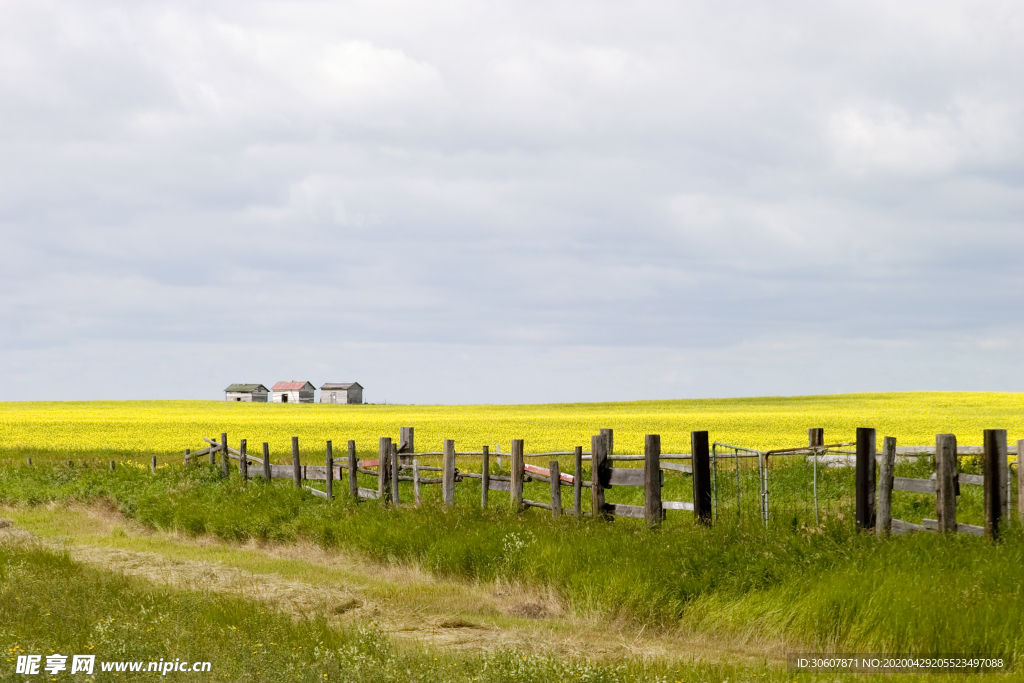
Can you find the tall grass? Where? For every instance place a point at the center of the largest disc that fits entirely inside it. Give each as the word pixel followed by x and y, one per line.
pixel 824 586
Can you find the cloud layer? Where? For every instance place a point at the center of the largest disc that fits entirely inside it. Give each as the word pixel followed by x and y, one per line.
pixel 493 202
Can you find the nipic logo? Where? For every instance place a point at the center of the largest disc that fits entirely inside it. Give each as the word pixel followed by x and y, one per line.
pixel 31 665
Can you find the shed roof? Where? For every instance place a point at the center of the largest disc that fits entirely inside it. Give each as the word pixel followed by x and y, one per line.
pixel 246 388
pixel 340 385
pixel 293 386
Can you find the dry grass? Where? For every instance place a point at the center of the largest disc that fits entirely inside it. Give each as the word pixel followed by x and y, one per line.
pixel 406 602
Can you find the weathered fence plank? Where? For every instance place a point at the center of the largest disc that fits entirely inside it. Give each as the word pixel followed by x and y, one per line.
pixel 934 525
pixel 865 476
pixel 416 481
pixel 296 464
pixel 598 466
pixel 994 461
pixel 485 475
pixel 448 476
pixel 945 483
pixel 620 510
pixel 883 522
pixel 516 488
pixel 556 488
pixel 913 485
pixel 625 476
pixel 700 449
pixel 653 512
pixel 329 474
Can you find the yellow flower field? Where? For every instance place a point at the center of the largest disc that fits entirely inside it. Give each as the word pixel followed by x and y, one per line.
pixel 92 428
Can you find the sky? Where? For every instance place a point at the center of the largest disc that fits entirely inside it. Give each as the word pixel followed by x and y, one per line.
pixel 511 202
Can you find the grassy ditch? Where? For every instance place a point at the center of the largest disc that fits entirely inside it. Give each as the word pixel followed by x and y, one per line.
pixel 821 588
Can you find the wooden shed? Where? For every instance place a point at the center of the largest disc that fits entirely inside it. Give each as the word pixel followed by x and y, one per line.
pixel 293 392
pixel 252 393
pixel 343 392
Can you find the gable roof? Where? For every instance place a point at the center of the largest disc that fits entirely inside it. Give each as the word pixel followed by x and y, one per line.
pixel 342 385
pixel 292 386
pixel 247 388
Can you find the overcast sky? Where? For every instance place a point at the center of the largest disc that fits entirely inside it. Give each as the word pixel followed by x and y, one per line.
pixel 497 202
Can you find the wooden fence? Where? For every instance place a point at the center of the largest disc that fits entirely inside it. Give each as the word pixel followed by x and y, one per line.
pixel 397 462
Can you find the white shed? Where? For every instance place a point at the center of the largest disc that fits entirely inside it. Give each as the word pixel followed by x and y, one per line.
pixel 344 392
pixel 256 393
pixel 293 392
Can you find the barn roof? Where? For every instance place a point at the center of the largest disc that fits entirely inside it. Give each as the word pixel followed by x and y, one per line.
pixel 340 385
pixel 292 386
pixel 246 388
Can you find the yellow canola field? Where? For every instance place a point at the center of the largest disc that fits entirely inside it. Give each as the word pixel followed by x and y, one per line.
pixel 91 428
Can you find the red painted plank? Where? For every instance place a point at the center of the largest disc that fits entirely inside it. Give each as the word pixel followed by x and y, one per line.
pixel 546 472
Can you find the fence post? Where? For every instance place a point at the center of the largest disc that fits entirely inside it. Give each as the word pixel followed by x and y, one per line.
pixel 213 451
pixel 448 473
pixel 700 463
pixel 815 437
pixel 329 480
pixel 865 477
pixel 243 462
pixel 266 461
pixel 598 464
pixel 609 434
pixel 945 482
pixel 577 481
pixel 30 463
pixel 188 456
pixel 516 485
pixel 353 482
pixel 407 444
pixel 1020 480
pixel 416 480
pixel 111 464
pixel 152 465
pixel 396 471
pixel 995 453
pixel 296 465
pixel 485 476
pixel 556 488
pixel 652 480
pixel 225 458
pixel 883 520
pixel 383 460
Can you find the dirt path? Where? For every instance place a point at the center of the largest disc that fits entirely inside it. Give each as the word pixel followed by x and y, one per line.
pixel 409 604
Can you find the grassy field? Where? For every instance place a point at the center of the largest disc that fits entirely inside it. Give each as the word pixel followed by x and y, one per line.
pixel 96 429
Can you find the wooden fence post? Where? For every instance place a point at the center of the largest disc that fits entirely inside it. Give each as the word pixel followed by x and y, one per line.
pixel 152 465
pixel 516 484
pixel 30 462
pixel 383 460
pixel 994 461
pixel 296 465
pixel 396 470
pixel 111 464
pixel 700 463
pixel 353 482
pixel 188 456
pixel 865 497
pixel 1020 480
pixel 406 437
pixel 448 473
pixel 883 520
pixel 945 482
pixel 213 451
pixel 266 462
pixel 329 462
pixel 416 480
pixel 577 481
pixel 556 488
pixel 243 462
pixel 225 457
pixel 598 465
pixel 609 435
pixel 815 437
pixel 485 476
pixel 653 512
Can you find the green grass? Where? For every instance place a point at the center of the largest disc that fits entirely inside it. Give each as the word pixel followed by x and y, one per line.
pixel 820 587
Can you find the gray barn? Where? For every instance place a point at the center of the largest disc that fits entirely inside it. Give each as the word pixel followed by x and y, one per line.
pixel 253 393
pixel 294 392
pixel 346 392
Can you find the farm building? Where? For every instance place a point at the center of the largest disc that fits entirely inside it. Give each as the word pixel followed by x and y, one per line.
pixel 293 392
pixel 346 392
pixel 255 393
